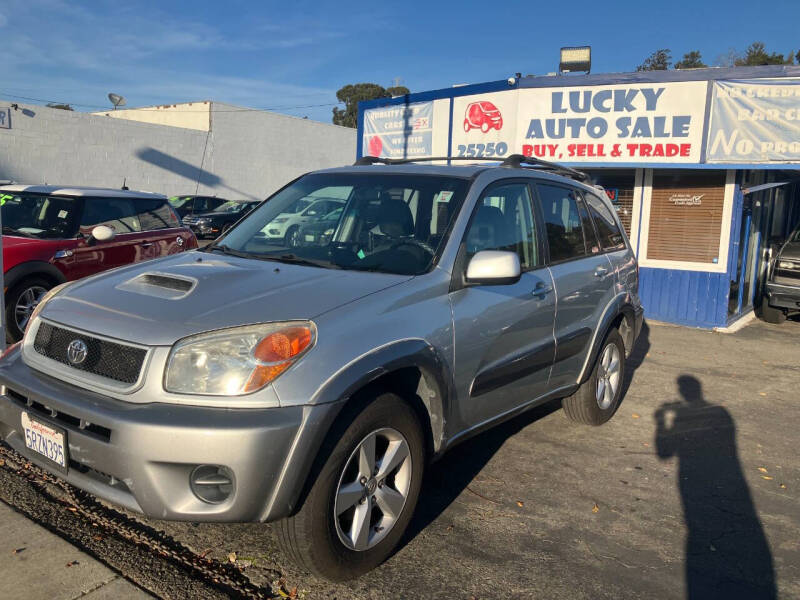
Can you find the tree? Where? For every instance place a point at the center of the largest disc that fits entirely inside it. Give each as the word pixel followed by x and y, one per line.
pixel 691 60
pixel 756 54
pixel 659 60
pixel 352 94
pixel 59 105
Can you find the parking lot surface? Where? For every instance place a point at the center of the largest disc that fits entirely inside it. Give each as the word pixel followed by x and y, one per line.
pixel 691 490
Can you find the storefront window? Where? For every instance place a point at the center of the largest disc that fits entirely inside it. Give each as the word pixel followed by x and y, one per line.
pixel 686 216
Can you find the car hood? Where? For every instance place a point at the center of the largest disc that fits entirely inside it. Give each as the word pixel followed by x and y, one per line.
pixel 158 302
pixel 791 251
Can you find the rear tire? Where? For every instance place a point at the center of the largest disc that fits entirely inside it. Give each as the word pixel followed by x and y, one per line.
pixel 318 537
pixel 597 399
pixel 20 303
pixel 771 314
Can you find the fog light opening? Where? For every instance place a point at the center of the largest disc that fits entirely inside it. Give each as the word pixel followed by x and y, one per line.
pixel 212 484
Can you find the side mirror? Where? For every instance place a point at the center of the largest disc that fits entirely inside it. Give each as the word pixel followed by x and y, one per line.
pixel 103 233
pixel 494 267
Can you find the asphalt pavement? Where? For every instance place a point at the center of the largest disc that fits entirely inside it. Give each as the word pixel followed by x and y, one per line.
pixel 691 490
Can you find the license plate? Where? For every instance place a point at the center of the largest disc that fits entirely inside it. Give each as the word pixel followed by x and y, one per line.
pixel 46 440
pixel 309 238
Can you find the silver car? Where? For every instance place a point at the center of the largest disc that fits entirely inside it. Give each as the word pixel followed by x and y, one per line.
pixel 253 381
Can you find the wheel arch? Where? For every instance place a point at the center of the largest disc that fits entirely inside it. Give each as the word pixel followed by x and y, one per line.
pixel 619 314
pixel 412 369
pixel 33 268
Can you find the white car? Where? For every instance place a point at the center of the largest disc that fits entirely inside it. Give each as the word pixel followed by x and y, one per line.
pixel 286 226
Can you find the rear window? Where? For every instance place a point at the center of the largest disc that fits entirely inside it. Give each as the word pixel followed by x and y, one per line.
pixel 154 214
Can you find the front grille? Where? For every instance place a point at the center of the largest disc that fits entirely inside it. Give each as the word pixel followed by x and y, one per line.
pixel 107 359
pixel 62 418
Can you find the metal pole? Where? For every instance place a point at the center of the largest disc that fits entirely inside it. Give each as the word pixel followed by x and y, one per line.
pixel 3 286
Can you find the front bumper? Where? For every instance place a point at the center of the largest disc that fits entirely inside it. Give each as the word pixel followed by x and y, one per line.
pixel 783 296
pixel 140 456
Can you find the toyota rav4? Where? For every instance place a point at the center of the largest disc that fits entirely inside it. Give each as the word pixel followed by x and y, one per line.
pixel 310 385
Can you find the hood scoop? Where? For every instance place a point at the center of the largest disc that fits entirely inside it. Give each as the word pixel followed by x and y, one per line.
pixel 160 285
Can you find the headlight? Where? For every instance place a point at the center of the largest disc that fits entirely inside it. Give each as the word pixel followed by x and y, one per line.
pixel 202 221
pixel 236 361
pixel 786 265
pixel 328 232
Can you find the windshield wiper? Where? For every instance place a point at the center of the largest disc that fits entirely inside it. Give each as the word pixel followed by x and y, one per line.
pixel 228 250
pixel 298 260
pixel 12 231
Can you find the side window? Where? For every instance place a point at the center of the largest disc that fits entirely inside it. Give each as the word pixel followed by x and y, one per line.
pixel 610 236
pixel 154 214
pixel 504 221
pixel 562 219
pixel 117 213
pixel 589 235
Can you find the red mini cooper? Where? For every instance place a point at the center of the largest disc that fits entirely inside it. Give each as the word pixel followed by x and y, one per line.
pixel 54 234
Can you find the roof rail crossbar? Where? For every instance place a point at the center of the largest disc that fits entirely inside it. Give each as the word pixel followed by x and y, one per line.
pixel 515 161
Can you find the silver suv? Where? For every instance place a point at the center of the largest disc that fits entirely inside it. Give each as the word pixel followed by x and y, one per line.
pixel 311 384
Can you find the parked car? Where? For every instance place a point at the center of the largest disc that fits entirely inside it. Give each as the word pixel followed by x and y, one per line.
pixel 285 228
pixel 448 299
pixel 482 115
pixel 782 296
pixel 319 233
pixel 54 234
pixel 219 220
pixel 193 204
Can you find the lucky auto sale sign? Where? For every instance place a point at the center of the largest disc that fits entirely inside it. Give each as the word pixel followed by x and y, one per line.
pixel 622 123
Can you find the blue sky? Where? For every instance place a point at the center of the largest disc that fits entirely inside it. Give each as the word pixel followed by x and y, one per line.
pixel 293 56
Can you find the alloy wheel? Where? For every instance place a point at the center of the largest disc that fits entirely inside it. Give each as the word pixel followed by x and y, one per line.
pixel 372 489
pixel 608 372
pixel 26 304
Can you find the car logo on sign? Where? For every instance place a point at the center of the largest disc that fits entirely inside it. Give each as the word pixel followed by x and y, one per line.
pixel 77 351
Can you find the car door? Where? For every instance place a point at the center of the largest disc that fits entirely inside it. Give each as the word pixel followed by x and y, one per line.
pixel 504 345
pixel 92 256
pixel 161 234
pixel 582 274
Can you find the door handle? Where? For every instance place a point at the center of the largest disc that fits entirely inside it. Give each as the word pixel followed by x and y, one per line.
pixel 600 272
pixel 146 244
pixel 542 289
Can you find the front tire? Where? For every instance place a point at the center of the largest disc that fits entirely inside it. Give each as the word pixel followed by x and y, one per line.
pixel 597 399
pixel 364 496
pixel 771 314
pixel 292 238
pixel 20 304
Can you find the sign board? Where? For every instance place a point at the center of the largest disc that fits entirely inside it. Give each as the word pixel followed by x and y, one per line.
pixel 646 123
pixel 754 121
pixel 5 117
pixel 400 131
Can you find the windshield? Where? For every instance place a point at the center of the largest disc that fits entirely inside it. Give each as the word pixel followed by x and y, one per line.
pixel 391 223
pixel 177 202
pixel 231 206
pixel 40 215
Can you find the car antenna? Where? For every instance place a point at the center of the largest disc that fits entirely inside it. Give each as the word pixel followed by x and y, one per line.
pixel 124 187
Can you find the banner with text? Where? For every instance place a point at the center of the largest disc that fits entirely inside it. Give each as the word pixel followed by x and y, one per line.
pixel 755 121
pixel 403 131
pixel 643 123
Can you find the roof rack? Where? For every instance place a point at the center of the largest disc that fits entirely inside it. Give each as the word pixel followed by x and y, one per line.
pixel 514 161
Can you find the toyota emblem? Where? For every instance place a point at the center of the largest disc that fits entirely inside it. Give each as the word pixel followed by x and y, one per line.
pixel 77 352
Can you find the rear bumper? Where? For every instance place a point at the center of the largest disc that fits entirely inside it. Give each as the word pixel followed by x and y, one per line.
pixel 783 296
pixel 141 456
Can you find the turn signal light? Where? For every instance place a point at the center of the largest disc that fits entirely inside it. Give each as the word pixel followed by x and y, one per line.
pixel 276 352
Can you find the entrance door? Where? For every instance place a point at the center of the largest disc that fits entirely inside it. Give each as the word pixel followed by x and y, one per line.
pixel 503 333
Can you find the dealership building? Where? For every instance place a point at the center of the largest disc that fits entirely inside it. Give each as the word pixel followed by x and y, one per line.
pixel 702 165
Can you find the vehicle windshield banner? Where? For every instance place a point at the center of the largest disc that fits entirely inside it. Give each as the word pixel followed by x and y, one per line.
pixel 755 121
pixel 403 131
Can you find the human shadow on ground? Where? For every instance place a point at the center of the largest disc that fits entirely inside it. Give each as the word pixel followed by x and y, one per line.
pixel 727 554
pixel 447 478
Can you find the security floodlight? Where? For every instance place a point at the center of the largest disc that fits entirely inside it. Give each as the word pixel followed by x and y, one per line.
pixel 575 58
pixel 116 100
